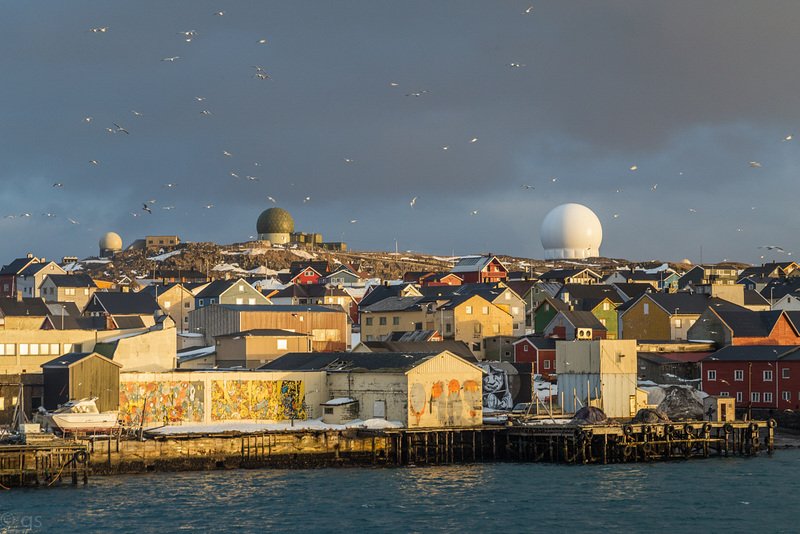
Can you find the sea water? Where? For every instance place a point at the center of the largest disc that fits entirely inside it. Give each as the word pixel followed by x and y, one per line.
pixel 757 494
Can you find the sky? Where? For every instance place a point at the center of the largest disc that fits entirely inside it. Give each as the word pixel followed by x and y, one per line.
pixel 653 114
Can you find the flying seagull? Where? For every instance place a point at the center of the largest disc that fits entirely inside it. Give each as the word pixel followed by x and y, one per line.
pixel 146 208
pixel 225 152
pixel 58 185
pixel 272 199
pixel 87 119
pixel 413 201
pixel 755 164
pixel 634 167
pixel 220 13
pixel 528 10
pixel 528 187
pixel 261 41
pixel 94 161
pixel 772 247
pixel 205 112
pixel 208 207
pixel 173 58
pixel 96 30
pixel 234 175
pixel 262 76
pixel 418 94
pixel 306 199
pixel 787 138
pixel 169 185
pixel 121 129
pixel 137 113
pixel 474 212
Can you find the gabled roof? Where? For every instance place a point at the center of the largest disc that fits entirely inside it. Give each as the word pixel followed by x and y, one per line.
pixel 541 343
pixel 520 287
pixel 780 287
pixel 757 323
pixel 733 353
pixel 17 265
pixel 754 298
pixel 66 361
pixel 631 290
pixel 595 292
pixel 684 303
pixel 277 308
pixel 33 307
pixel 558 304
pixel 321 267
pixel 34 268
pixel 410 335
pixel 71 280
pixel 473 264
pixel 125 303
pixel 384 291
pixel 563 274
pixel 216 288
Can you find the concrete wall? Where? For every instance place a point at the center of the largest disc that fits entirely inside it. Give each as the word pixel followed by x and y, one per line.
pixel 369 388
pixel 151 351
pixel 445 391
pixel 221 397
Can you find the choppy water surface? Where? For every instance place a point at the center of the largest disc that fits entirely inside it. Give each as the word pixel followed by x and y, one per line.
pixel 714 495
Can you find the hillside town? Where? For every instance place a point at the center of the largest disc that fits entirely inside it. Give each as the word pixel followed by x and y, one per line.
pixel 445 342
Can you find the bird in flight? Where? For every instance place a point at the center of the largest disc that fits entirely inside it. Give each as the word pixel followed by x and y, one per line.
pixel 348 160
pixel 25 215
pixel 693 210
pixel 772 247
pixel 473 139
pixel 528 187
pixel 58 185
pixel 87 119
pixel 169 185
pixel 418 94
pixel 146 208
pixel 413 201
pixel 445 147
pixel 220 13
pixel 225 152
pixel 167 207
pixel 9 216
pixel 261 76
pixel 173 58
pixel 208 207
pixel 49 214
pixel 111 130
pixel 251 178
pixel 94 161
pixel 618 190
pixel 474 212
pixel 96 30
pixel 188 33
pixel 634 167
pixel 121 129
pixel 515 65
pixel 73 222
pixel 199 98
pixel 528 10
pixel 354 221
pixel 134 214
pixel 258 69
pixel 652 188
pixel 306 199
pixel 554 179
pixel 234 175
pixel 137 113
pixel 261 41
pixel 755 164
pixel 205 112
pixel 788 137
pixel 272 199
pixel 616 215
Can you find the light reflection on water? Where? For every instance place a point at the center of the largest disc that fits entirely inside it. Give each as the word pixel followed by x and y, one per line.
pixel 698 494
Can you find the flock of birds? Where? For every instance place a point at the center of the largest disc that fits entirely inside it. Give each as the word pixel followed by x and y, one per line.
pixel 259 73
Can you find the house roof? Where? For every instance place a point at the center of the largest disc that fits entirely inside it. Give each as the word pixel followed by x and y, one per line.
pixel 472 264
pixel 393 304
pixel 72 358
pixel 541 343
pixel 582 319
pixel 348 361
pixel 411 335
pixel 11 307
pixel 780 287
pixel 216 288
pixel 756 323
pixel 126 303
pixel 520 287
pixel 755 353
pixel 316 308
pixel 459 348
pixel 682 302
pixel 594 292
pixel 562 274
pixel 263 332
pixel 672 357
pixel 382 292
pixel 33 268
pixel 71 280
pixel 17 265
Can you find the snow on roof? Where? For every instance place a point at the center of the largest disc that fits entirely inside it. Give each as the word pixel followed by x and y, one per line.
pixel 117 338
pixel 199 352
pixel 254 427
pixel 338 401
pixel 189 334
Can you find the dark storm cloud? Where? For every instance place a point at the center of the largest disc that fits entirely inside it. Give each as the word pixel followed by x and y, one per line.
pixel 688 92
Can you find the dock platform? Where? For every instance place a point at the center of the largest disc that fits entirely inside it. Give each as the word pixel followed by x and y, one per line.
pixel 43 464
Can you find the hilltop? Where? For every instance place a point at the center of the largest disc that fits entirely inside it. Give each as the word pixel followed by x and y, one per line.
pixel 238 258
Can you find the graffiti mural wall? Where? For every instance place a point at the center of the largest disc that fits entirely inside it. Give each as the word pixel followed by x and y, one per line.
pixel 446 403
pixel 276 400
pixel 161 402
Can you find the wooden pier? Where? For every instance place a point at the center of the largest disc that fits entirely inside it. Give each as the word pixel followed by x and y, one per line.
pixel 573 444
pixel 43 465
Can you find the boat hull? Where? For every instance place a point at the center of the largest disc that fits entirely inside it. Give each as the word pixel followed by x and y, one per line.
pixel 78 422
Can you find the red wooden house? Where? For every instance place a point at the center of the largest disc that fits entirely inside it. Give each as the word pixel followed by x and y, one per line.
pixel 480 269
pixel 539 351
pixel 757 376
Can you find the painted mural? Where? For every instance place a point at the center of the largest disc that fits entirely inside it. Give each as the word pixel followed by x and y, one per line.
pixel 496 388
pixel 276 400
pixel 161 402
pixel 452 403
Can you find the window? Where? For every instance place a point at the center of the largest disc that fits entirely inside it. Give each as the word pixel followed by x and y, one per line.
pixel 251 302
pixel 723 393
pixel 23 349
pixel 738 375
pixel 369 338
pixel 525 348
pixel 200 302
pixel 85 291
pixel 603 322
pixel 167 304
pixel 738 396
pixel 605 306
pixel 369 321
pixel 395 321
pixel 515 326
pixel 468 310
pixel 767 376
pixel 768 397
pixel 44 348
pixel 786 395
pixel 547 364
pixel 646 308
pixel 239 300
pixel 514 310
pixel 485 310
pixel 755 396
pixel 495 328
pixel 186 320
pixel 186 304
pixel 678 323
pixel 508 296
pixel 477 328
pixel 241 288
pixel 785 373
pixel 382 321
pixel 547 307
pixel 54 348
pixel 328 410
pixel 282 344
pixel 712 375
pixel 448 328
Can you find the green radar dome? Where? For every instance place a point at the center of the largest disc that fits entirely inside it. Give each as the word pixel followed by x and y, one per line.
pixel 275 221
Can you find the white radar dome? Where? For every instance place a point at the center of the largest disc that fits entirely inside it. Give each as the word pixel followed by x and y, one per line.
pixel 571 231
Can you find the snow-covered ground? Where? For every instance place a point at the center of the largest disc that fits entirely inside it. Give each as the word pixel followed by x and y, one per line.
pixel 162 257
pixel 250 428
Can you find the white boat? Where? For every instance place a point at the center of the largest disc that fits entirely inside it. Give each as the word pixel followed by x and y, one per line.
pixel 81 416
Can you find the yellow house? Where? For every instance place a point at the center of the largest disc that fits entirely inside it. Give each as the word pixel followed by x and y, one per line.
pixel 471 318
pixel 392 314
